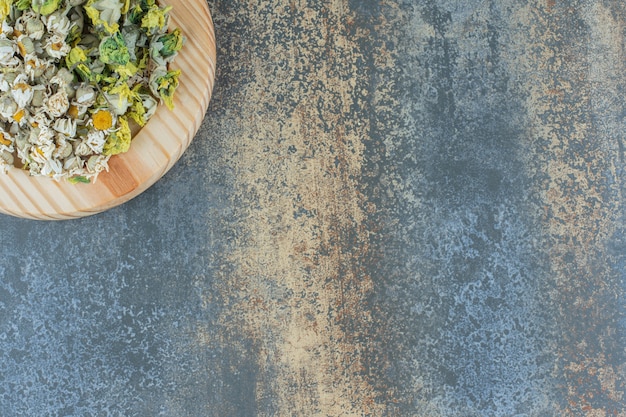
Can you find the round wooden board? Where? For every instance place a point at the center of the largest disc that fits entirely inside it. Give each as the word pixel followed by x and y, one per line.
pixel 154 150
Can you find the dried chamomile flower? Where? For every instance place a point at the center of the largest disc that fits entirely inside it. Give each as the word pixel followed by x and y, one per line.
pixel 33 27
pixel 65 126
pixel 8 48
pixel 25 45
pixel 85 96
pixel 97 163
pixel 8 106
pixel 58 24
pixel 56 47
pixel 95 140
pixel 21 91
pixel 57 104
pixel 35 67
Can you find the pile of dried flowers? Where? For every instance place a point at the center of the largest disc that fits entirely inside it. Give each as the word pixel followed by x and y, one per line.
pixel 74 74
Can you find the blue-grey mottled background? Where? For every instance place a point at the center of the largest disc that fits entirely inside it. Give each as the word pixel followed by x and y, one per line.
pixel 392 208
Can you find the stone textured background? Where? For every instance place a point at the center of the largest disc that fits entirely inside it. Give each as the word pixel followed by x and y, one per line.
pixel 393 208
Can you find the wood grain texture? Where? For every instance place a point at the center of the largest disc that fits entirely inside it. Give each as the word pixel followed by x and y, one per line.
pixel 154 150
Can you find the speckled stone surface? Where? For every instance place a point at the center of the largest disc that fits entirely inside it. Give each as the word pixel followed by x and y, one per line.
pixel 392 208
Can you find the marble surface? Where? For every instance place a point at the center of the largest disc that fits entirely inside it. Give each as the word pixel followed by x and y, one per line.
pixel 392 208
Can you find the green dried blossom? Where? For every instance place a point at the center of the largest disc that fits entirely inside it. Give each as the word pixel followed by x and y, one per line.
pixel 76 56
pixel 163 83
pixel 113 50
pixel 5 8
pixel 22 4
pixel 45 7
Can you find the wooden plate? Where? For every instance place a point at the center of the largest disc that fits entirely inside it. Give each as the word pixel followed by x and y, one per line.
pixel 154 150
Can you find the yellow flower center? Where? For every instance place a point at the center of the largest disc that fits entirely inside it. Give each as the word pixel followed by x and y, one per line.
pixel 4 140
pixel 22 48
pixel 18 115
pixel 73 112
pixel 21 86
pixel 102 120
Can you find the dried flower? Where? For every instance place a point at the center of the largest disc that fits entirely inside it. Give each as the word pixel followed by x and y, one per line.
pixel 45 7
pixel 5 8
pixel 57 104
pixel 8 49
pixel 65 126
pixel 118 141
pixel 21 91
pixel 163 83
